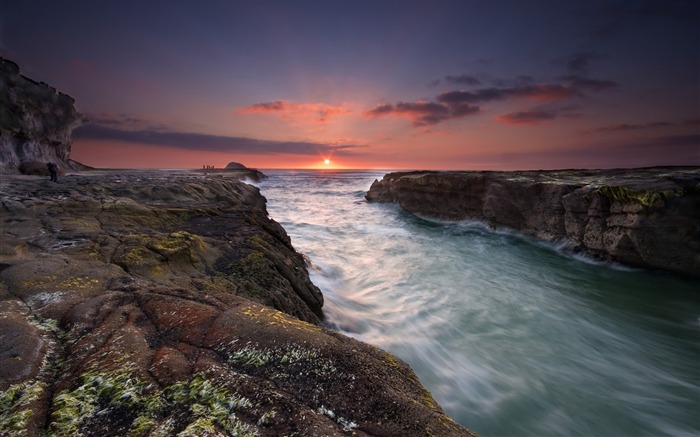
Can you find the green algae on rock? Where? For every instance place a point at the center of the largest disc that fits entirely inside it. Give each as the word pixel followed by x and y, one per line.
pixel 195 407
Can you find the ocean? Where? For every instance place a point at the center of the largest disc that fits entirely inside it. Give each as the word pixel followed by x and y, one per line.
pixel 512 336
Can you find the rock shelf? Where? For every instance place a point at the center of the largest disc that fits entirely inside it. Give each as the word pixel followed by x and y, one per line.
pixel 647 217
pixel 169 303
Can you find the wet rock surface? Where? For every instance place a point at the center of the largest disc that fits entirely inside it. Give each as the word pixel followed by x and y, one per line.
pixel 640 217
pixel 154 303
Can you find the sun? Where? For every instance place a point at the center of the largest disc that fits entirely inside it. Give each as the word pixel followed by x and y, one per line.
pixel 327 161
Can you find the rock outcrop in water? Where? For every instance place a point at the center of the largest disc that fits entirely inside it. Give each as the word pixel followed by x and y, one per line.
pixel 641 217
pixel 154 303
pixel 234 166
pixel 238 170
pixel 36 123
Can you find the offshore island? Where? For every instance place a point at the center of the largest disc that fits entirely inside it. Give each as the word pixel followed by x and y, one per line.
pixel 168 303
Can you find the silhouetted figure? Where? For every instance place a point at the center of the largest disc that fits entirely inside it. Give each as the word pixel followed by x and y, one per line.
pixel 53 170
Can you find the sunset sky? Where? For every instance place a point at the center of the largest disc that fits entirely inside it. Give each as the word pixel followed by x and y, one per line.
pixel 369 84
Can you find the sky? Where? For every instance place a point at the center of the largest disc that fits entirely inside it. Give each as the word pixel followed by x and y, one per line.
pixel 402 84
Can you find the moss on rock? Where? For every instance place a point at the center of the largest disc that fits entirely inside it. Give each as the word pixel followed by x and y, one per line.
pixel 191 408
pixel 646 198
pixel 16 407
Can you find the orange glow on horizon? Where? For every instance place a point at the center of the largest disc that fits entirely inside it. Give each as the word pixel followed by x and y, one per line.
pixel 117 154
pixel 123 155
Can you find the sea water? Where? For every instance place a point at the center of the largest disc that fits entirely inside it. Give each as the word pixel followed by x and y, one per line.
pixel 512 336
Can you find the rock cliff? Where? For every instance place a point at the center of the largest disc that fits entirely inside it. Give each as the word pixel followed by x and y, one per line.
pixel 641 217
pixel 36 123
pixel 154 303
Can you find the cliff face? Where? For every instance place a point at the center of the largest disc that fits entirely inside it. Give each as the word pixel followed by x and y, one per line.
pixel 36 122
pixel 640 217
pixel 155 303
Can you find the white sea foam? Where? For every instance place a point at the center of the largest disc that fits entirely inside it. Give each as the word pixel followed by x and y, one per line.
pixel 511 335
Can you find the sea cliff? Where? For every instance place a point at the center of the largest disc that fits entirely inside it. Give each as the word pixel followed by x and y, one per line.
pixel 36 123
pixel 154 303
pixel 646 218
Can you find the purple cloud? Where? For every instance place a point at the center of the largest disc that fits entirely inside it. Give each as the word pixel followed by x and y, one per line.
pixel 583 83
pixel 625 127
pixel 579 62
pixel 463 79
pixel 424 113
pixel 460 103
pixel 527 117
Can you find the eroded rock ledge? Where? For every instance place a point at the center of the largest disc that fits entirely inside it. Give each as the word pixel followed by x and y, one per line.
pixel 640 217
pixel 152 303
pixel 36 122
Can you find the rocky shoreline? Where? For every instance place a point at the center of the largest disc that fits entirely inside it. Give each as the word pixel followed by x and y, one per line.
pixel 647 218
pixel 169 303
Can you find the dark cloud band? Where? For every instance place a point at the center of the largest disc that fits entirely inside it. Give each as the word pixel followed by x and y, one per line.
pixel 457 104
pixel 425 113
pixel 527 117
pixel 211 143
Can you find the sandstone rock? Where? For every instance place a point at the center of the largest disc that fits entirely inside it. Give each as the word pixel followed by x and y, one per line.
pixel 175 230
pixel 641 217
pixel 155 303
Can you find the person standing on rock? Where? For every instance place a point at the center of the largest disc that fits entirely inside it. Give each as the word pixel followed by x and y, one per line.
pixel 53 170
